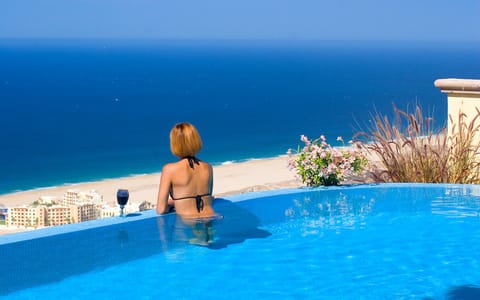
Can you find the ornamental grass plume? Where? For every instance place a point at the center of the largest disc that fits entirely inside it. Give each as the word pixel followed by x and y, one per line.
pixel 409 149
pixel 464 149
pixel 318 163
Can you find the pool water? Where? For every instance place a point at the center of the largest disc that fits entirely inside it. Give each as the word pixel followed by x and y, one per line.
pixel 390 241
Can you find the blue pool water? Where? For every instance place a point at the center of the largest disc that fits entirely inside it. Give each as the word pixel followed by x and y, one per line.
pixel 389 241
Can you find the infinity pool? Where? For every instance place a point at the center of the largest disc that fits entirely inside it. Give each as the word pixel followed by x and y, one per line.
pixel 388 241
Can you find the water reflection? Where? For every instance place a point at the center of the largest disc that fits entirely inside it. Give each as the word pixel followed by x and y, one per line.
pixel 339 211
pixel 123 238
pixel 458 202
pixel 235 226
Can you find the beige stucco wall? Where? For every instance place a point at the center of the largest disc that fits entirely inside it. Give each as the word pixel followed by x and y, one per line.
pixel 462 103
pixel 463 97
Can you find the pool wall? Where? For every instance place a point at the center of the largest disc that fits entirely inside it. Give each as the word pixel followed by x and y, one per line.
pixel 56 230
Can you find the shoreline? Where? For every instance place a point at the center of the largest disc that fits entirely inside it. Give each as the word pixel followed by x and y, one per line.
pixel 95 180
pixel 229 178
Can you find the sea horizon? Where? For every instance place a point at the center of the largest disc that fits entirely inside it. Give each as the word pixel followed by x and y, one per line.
pixel 76 111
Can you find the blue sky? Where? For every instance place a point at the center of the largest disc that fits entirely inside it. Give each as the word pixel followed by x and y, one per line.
pixel 416 20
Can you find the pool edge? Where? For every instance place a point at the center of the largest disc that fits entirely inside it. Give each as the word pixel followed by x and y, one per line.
pixel 56 230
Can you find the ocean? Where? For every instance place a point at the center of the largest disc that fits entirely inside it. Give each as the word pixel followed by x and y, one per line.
pixel 84 110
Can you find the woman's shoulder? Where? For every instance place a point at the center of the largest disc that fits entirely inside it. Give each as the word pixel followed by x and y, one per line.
pixel 170 167
pixel 174 166
pixel 206 164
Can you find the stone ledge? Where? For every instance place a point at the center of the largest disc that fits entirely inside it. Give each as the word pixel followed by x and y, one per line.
pixel 458 86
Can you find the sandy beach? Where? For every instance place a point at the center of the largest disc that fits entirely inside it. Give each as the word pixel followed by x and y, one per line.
pixel 234 178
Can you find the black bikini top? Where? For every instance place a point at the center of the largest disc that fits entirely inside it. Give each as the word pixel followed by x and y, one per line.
pixel 192 161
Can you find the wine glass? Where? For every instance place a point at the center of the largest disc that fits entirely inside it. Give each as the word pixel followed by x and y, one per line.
pixel 122 199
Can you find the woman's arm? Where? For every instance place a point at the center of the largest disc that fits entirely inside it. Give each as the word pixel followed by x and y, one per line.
pixel 210 181
pixel 163 191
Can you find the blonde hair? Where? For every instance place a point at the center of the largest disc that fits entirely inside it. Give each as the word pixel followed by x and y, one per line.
pixel 185 140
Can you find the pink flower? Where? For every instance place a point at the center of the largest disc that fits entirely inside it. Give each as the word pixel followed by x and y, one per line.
pixel 304 139
pixel 318 161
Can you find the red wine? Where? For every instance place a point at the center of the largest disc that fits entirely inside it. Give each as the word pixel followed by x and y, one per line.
pixel 122 197
pixel 122 200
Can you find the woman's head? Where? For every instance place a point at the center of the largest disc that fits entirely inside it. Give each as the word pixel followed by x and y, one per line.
pixel 185 140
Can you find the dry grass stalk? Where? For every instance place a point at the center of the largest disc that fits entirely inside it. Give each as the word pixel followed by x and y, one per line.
pixel 464 149
pixel 410 150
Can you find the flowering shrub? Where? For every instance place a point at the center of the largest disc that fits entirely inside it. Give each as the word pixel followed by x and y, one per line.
pixel 318 163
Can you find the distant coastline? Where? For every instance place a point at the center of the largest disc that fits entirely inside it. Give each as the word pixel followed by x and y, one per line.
pixel 155 173
pixel 232 178
pixel 142 182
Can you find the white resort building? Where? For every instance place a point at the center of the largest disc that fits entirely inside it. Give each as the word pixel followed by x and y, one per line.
pixel 75 197
pixel 74 207
pixel 42 215
pixel 26 216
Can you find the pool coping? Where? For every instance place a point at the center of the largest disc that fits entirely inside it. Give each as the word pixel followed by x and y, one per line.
pixel 63 229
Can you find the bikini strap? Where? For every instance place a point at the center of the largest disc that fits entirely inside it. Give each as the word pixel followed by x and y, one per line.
pixel 190 197
pixel 192 160
pixel 198 200
pixel 199 203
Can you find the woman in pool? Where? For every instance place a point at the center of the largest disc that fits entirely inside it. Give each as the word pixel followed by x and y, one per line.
pixel 187 184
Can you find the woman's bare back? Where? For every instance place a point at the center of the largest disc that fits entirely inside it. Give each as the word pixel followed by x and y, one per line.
pixel 190 183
